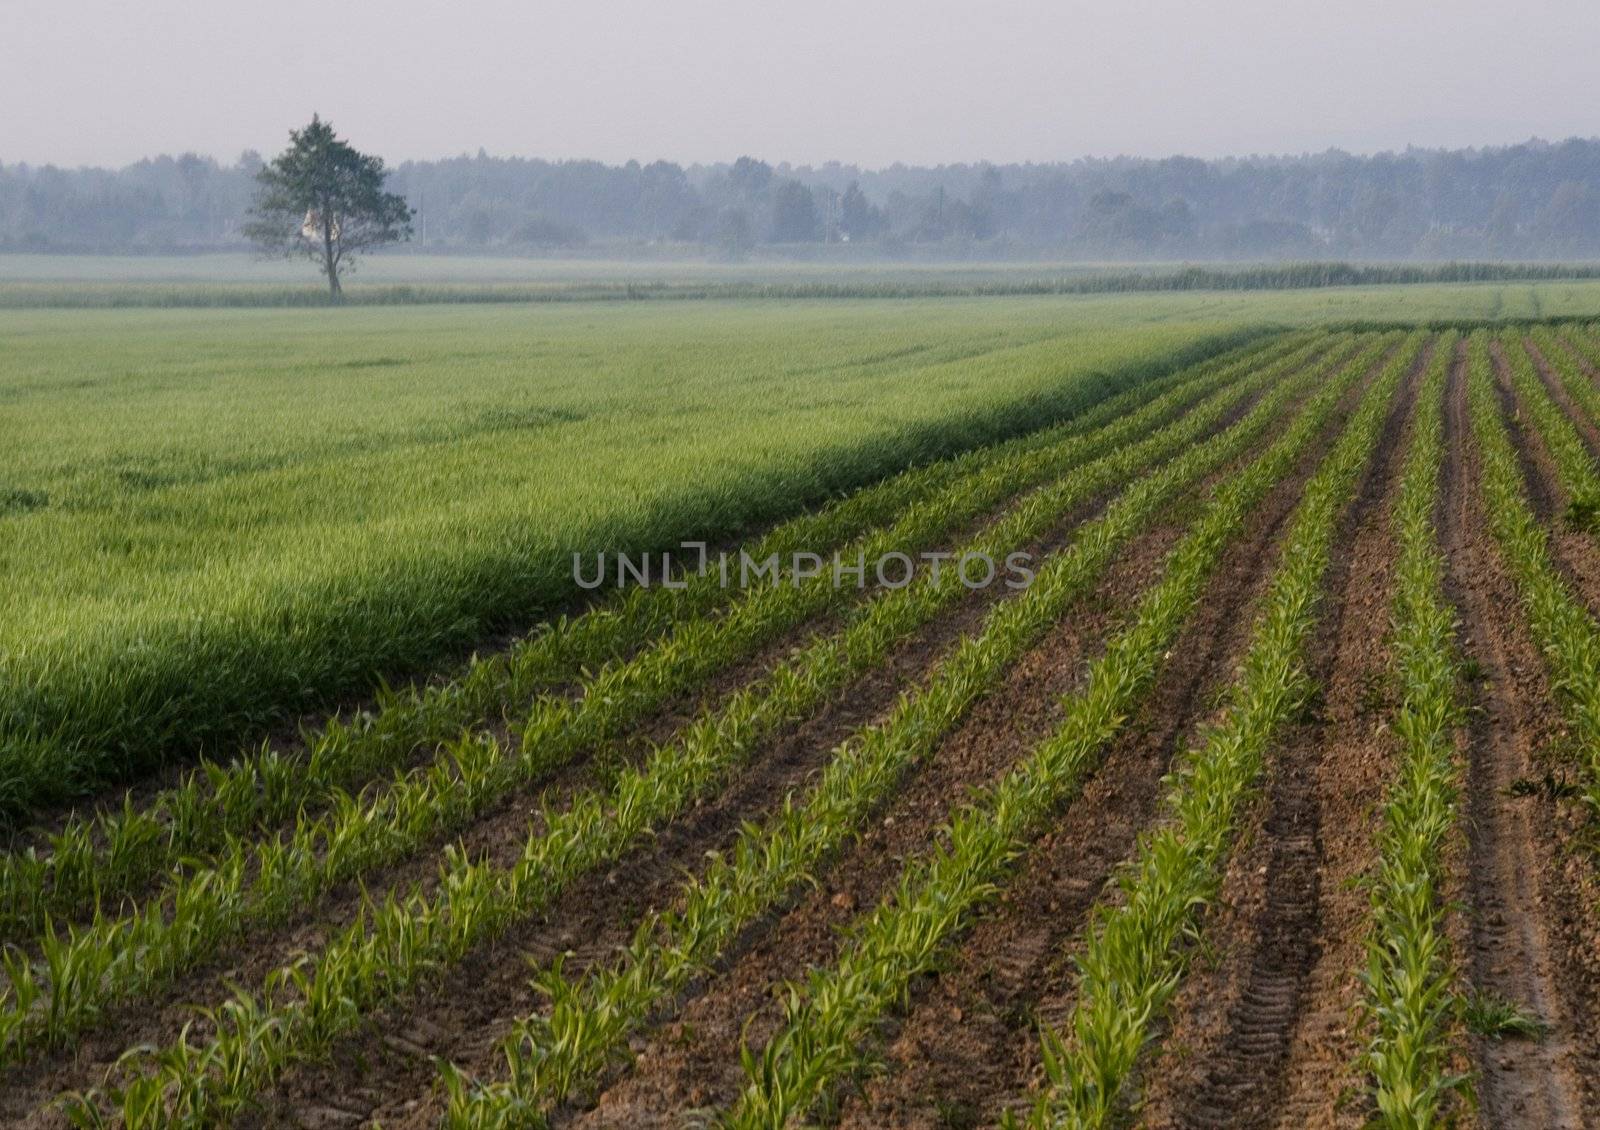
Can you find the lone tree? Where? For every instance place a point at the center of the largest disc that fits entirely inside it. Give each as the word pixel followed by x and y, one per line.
pixel 323 199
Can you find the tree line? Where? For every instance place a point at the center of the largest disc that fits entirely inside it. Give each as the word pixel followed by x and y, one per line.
pixel 1536 200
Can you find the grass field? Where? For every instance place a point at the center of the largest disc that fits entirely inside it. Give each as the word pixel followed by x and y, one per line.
pixel 1269 801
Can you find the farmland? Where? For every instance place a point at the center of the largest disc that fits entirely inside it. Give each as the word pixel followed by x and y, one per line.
pixel 1269 800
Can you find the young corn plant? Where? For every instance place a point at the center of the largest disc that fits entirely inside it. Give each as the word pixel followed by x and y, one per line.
pixel 392 944
pixel 1575 465
pixel 831 1017
pixel 98 859
pixel 1584 344
pixel 1562 625
pixel 1411 995
pixel 1563 359
pixel 1586 340
pixel 551 1056
pixel 1583 341
pixel 1137 949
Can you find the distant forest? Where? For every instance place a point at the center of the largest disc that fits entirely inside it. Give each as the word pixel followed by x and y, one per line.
pixel 1538 200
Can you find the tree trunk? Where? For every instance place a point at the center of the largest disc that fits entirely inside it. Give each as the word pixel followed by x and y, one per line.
pixel 329 260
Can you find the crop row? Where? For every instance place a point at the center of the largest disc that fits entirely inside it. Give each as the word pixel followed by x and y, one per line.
pixel 1562 625
pixel 1584 342
pixel 832 1015
pixel 1564 363
pixel 550 1057
pixel 95 860
pixel 305 1005
pixel 1575 466
pixel 1137 948
pixel 1410 983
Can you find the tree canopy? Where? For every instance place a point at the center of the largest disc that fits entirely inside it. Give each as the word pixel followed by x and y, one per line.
pixel 325 200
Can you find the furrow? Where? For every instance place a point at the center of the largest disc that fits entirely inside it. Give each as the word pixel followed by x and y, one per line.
pixel 970 1041
pixel 552 1055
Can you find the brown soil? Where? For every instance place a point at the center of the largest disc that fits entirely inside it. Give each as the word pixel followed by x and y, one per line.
pixel 1544 494
pixel 464 1015
pixel 686 1065
pixel 970 1043
pixel 960 763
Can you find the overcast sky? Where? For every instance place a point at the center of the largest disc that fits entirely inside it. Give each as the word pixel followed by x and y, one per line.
pixel 919 81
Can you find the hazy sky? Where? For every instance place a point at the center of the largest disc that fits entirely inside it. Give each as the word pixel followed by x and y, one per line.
pixel 923 81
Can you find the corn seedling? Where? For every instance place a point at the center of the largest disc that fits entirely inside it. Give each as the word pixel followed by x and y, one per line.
pixel 1410 984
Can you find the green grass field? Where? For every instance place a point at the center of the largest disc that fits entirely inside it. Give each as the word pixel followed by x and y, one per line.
pixel 212 520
